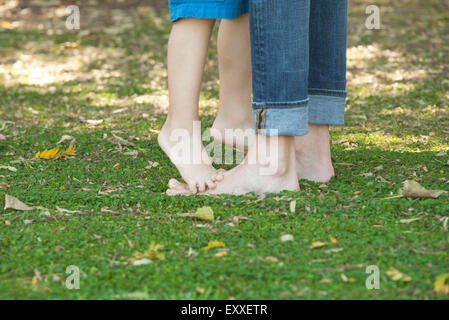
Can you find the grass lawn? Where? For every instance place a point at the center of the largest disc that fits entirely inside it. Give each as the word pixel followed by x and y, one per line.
pixel 97 215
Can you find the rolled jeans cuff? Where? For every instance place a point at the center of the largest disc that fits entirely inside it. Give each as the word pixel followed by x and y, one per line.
pixel 281 121
pixel 327 109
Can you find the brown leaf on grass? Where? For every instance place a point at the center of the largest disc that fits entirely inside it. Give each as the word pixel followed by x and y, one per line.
pixel 9 168
pixel 441 285
pixel 116 166
pixel 115 139
pixel 199 290
pixel 220 254
pixel 325 280
pixel 65 138
pixel 16 204
pixel 286 237
pixel 293 206
pixel 333 240
pixel 413 189
pixel 272 259
pixel 203 213
pixel 317 244
pixel 397 275
pixel 409 220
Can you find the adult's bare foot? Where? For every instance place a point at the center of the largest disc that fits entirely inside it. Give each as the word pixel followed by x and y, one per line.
pixel 313 157
pixel 268 168
pixel 186 151
pixel 233 130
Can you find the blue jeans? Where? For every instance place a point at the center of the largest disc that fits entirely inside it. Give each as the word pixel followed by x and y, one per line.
pixel 298 52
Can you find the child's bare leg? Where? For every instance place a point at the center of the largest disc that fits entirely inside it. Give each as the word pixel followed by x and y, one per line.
pixel 234 58
pixel 187 52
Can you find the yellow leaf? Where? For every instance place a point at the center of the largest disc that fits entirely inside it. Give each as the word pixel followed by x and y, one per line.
pixel 326 280
pixel 117 165
pixel 440 285
pixel 34 280
pixel 333 240
pixel 70 151
pixel 221 254
pixel 317 244
pixel 56 153
pixel 71 45
pixel 153 253
pixel 5 24
pixel 397 275
pixel 214 244
pixel 204 213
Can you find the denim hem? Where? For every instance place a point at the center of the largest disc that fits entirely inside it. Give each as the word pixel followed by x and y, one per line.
pixel 327 109
pixel 327 92
pixel 276 105
pixel 292 121
pixel 206 12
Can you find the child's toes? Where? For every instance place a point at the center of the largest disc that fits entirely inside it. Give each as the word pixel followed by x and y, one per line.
pixel 201 186
pixel 210 184
pixel 175 184
pixel 192 187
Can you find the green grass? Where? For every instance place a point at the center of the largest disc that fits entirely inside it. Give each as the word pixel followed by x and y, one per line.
pixel 399 123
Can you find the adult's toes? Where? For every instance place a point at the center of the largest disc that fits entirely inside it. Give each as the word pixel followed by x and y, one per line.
pixel 218 176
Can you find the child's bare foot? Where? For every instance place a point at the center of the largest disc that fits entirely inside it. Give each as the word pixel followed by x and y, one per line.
pixel 266 176
pixel 185 150
pixel 313 157
pixel 232 130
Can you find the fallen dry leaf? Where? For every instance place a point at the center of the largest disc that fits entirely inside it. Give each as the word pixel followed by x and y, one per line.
pixel 203 213
pixel 325 280
pixel 2 137
pixel 293 206
pixel 71 45
pixel 199 290
pixel 440 285
pixel 409 220
pixel 272 259
pixel 94 122
pixel 317 244
pixel 141 262
pixel 16 204
pixel 115 139
pixel 220 254
pixel 65 138
pixel 333 240
pixel 116 166
pixel 413 189
pixel 214 244
pixel 148 256
pixel 286 237
pixel 9 168
pixel 397 275
pixel 56 153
